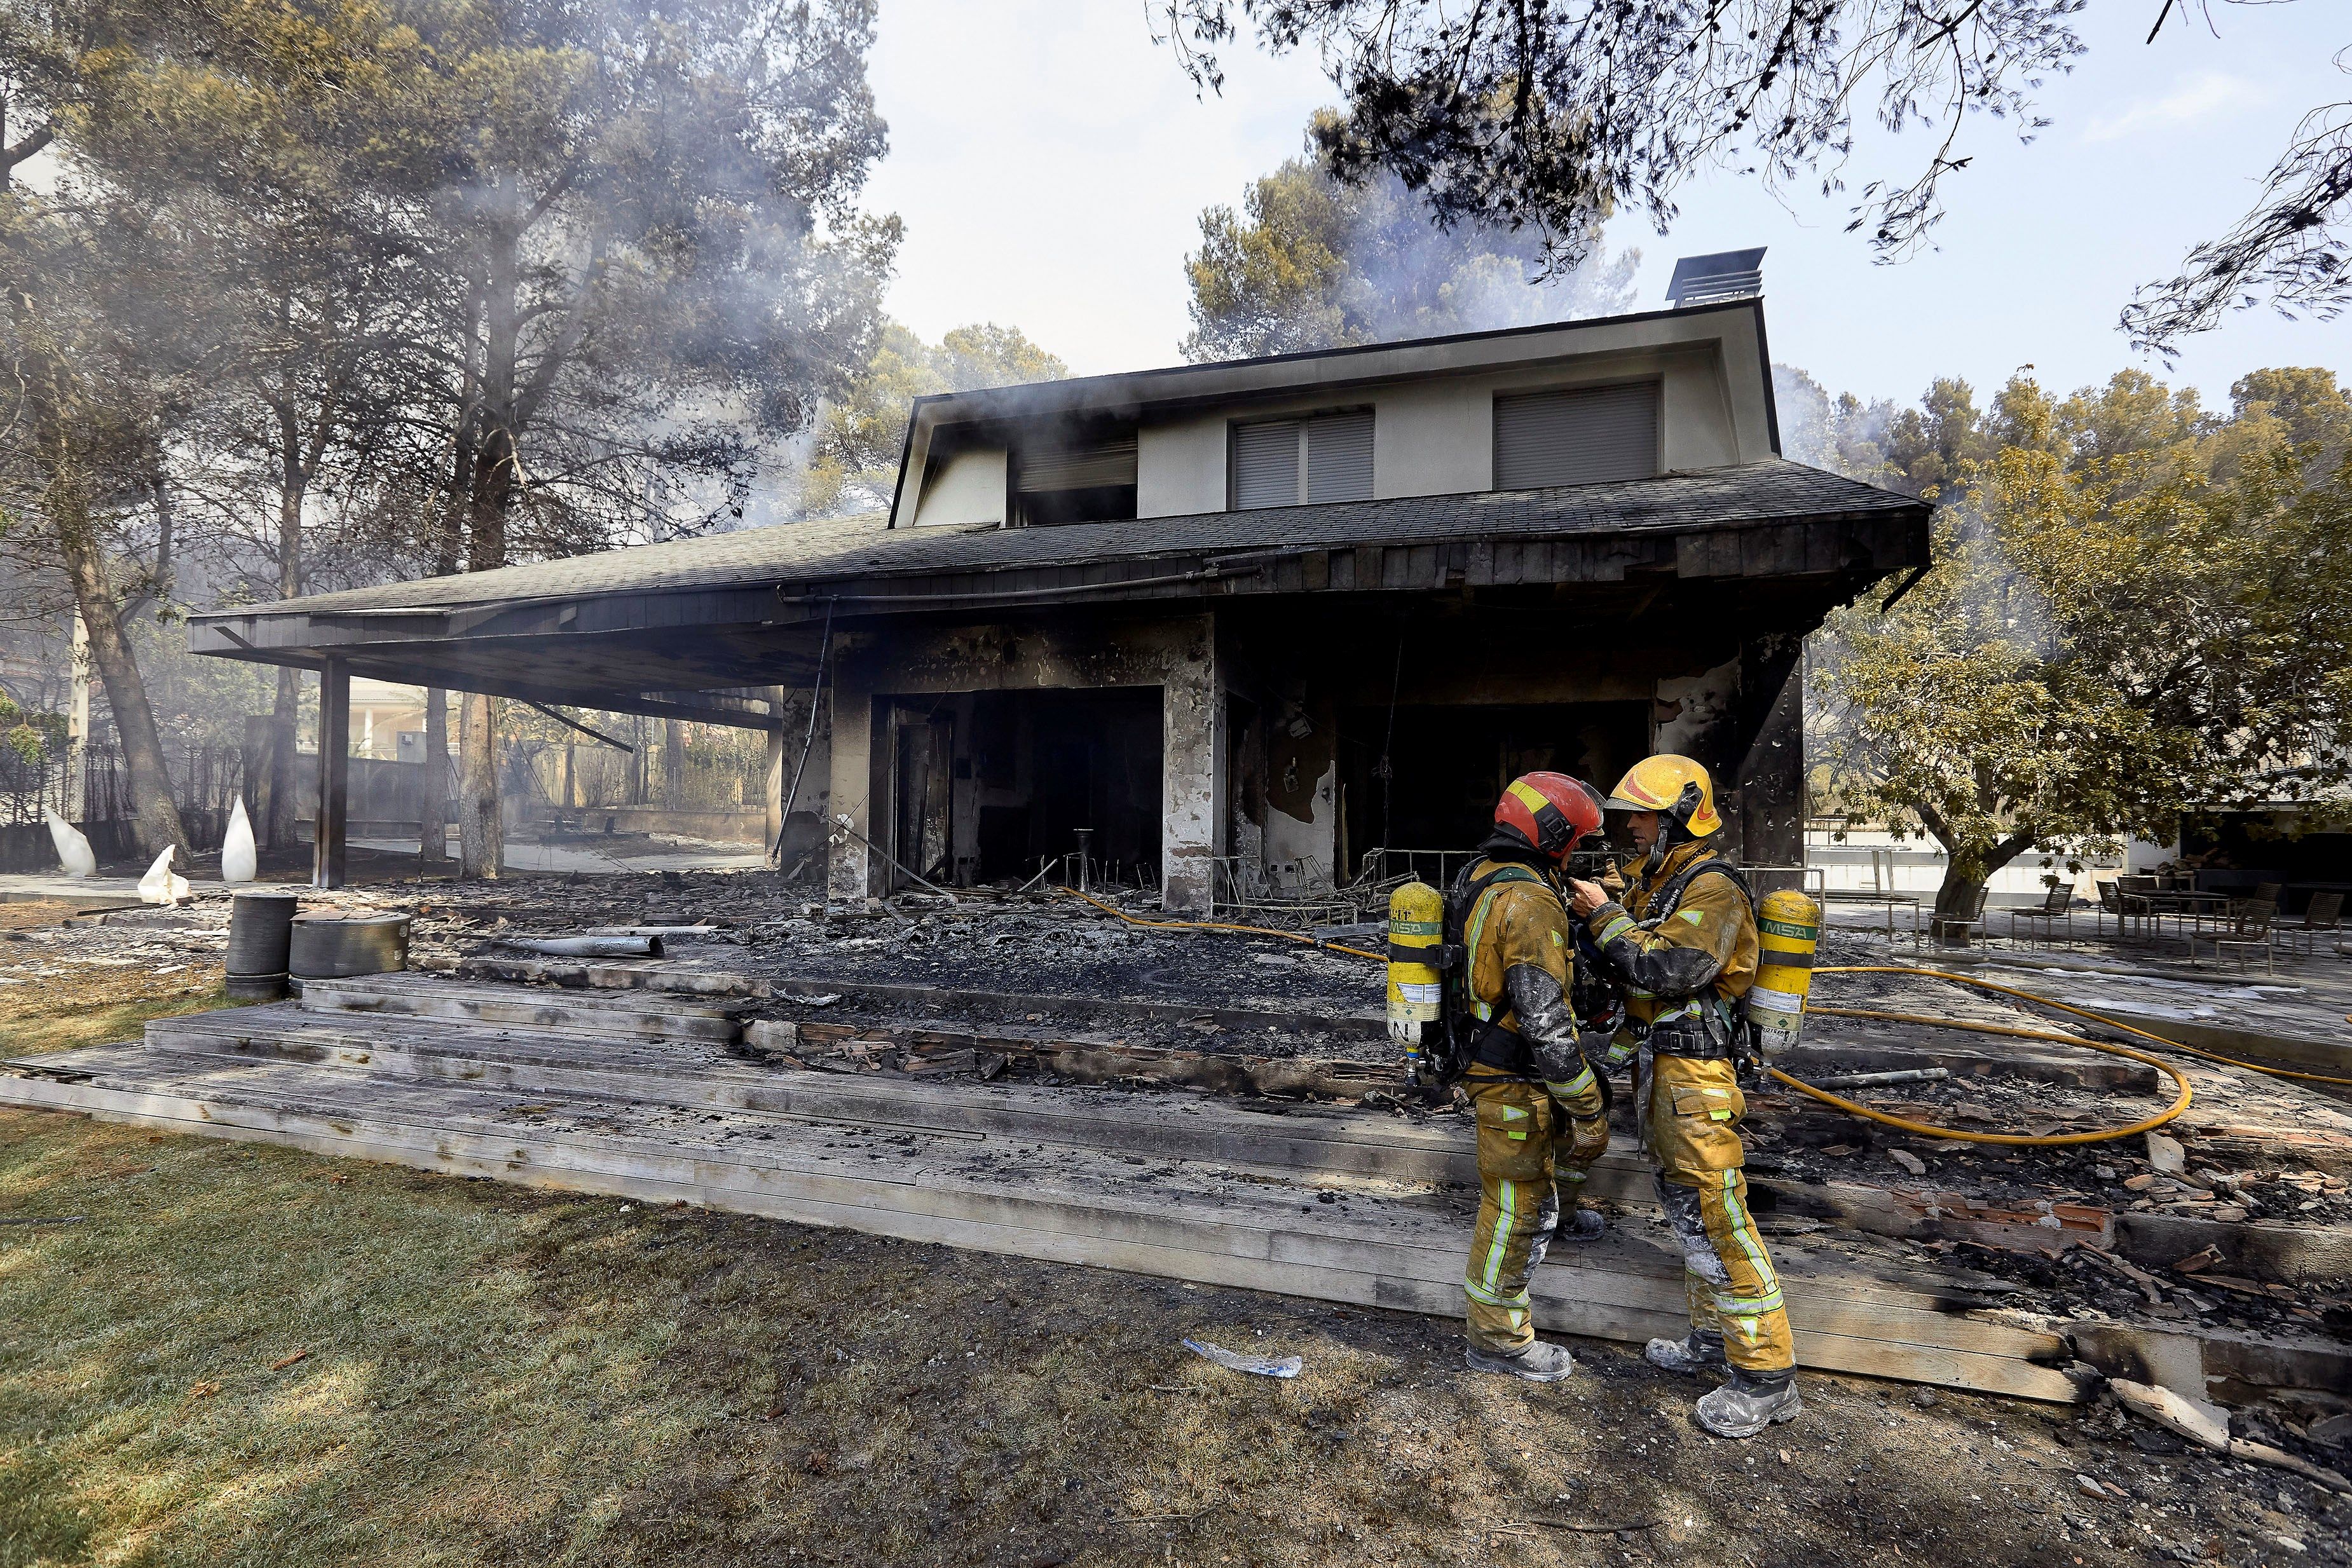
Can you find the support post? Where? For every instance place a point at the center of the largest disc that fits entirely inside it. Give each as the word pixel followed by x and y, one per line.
pixel 771 790
pixel 1771 775
pixel 327 867
pixel 1191 708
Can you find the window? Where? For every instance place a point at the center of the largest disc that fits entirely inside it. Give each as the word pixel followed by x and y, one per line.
pixel 1076 483
pixel 1299 462
pixel 1583 436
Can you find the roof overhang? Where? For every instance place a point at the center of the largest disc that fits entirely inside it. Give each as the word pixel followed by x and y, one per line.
pixel 681 632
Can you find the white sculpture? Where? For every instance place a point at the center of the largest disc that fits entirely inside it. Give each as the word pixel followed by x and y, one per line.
pixel 162 884
pixel 73 846
pixel 239 860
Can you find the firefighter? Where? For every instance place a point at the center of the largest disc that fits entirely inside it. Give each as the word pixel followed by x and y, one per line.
pixel 1682 947
pixel 1541 1118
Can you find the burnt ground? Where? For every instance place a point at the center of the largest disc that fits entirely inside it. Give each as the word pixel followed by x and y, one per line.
pixel 1403 1456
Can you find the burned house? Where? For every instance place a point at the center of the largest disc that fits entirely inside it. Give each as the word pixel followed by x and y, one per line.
pixel 1236 628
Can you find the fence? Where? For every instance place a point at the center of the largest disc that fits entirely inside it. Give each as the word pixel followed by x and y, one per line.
pixel 27 788
pixel 205 781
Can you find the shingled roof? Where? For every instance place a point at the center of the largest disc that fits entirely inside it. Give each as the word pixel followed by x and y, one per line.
pixel 808 555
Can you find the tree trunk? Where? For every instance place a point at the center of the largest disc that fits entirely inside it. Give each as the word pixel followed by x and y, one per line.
pixel 1968 868
pixel 673 764
pixel 482 836
pixel 479 835
pixel 285 788
pixel 155 818
pixel 433 794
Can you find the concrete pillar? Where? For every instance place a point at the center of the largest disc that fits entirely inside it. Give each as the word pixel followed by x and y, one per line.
pixel 1192 716
pixel 327 856
pixel 1771 773
pixel 857 786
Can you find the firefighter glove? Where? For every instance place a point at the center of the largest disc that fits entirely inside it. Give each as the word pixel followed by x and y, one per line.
pixel 1588 1139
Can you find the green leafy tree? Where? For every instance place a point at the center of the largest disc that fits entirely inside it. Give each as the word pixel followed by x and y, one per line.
pixel 2133 610
pixel 109 339
pixel 643 221
pixel 1312 261
pixel 854 459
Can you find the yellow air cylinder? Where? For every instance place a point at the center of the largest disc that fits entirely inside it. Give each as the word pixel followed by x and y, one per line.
pixel 1416 991
pixel 1788 929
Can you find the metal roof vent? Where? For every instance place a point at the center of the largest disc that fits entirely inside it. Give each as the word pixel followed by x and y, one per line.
pixel 1708 279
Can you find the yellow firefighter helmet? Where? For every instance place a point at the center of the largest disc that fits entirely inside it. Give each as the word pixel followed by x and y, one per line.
pixel 1674 786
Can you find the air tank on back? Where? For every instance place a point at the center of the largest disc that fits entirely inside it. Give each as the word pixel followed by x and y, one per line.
pixel 1788 929
pixel 1417 990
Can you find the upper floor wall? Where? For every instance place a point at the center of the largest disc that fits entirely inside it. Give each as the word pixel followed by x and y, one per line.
pixel 1691 386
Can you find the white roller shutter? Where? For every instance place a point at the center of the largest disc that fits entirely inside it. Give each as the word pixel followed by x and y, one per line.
pixel 1339 457
pixel 1292 462
pixel 1583 436
pixel 1265 465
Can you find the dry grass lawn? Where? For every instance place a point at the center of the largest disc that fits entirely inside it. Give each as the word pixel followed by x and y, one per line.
pixel 246 1355
pixel 89 1004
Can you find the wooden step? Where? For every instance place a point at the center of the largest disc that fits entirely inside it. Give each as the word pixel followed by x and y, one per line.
pixel 1314 1141
pixel 1176 1219
pixel 1831 1046
pixel 1329 1144
pixel 629 1015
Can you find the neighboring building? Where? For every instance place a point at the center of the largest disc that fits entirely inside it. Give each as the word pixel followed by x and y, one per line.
pixel 1245 622
pixel 387 721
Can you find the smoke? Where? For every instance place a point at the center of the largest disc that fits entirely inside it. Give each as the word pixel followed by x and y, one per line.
pixel 1311 262
pixel 1408 279
pixel 1842 433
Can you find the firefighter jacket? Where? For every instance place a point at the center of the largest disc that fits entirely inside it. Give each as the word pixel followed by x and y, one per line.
pixel 1521 955
pixel 1673 963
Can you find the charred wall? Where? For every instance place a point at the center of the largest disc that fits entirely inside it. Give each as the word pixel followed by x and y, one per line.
pixel 947 734
pixel 1262 748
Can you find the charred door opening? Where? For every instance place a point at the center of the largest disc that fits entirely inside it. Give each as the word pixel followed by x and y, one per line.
pixel 923 824
pixel 1449 763
pixel 1046 764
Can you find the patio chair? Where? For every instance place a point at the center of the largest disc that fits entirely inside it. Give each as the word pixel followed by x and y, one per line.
pixel 1939 925
pixel 2109 907
pixel 2058 908
pixel 2135 900
pixel 2324 913
pixel 2252 935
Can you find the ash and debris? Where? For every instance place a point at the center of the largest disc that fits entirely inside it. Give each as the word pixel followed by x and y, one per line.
pixel 50 942
pixel 2254 1149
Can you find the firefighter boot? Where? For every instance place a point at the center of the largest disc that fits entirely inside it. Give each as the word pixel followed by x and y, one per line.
pixel 1750 1402
pixel 1584 1225
pixel 1541 1362
pixel 1696 1352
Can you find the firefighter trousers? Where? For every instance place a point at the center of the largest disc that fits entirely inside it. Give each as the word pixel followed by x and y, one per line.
pixel 1690 1126
pixel 1527 1169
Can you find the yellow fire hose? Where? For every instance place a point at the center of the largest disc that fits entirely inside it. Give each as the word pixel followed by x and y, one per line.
pixel 2180 1105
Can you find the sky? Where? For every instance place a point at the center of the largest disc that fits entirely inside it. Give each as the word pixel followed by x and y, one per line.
pixel 1051 163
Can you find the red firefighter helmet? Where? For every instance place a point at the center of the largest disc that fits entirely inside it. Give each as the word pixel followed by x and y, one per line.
pixel 1548 812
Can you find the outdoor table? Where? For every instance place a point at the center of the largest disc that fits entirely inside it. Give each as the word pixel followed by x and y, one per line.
pixel 2195 905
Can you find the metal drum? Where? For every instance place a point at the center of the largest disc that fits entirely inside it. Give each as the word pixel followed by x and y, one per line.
pixel 260 933
pixel 331 946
